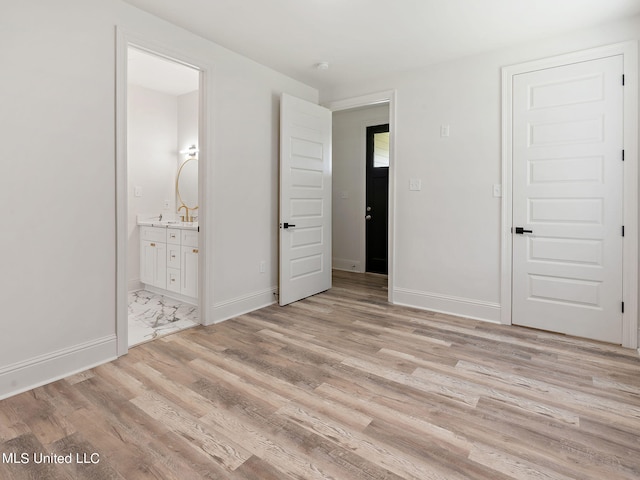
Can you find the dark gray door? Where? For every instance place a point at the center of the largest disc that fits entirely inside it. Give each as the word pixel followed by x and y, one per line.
pixel 377 213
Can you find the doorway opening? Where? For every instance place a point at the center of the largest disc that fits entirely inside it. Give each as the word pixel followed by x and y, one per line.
pixel 351 119
pixel 159 191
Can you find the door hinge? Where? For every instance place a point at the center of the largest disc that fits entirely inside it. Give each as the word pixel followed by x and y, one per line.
pixel 622 307
pixel 623 155
pixel 623 230
pixel 623 79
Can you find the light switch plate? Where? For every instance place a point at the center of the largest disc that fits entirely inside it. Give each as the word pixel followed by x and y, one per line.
pixel 444 130
pixel 415 184
pixel 497 190
pixel 137 191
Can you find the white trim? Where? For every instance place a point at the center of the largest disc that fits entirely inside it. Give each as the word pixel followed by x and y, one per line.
pixel 169 294
pixel 347 265
pixel 124 40
pixel 134 285
pixel 43 369
pixel 243 304
pixel 458 306
pixel 388 96
pixel 629 50
pixel 122 327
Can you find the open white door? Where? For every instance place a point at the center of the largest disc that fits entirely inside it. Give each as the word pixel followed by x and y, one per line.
pixel 305 199
pixel 567 199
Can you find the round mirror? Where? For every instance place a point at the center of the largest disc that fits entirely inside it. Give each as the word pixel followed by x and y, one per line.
pixel 187 184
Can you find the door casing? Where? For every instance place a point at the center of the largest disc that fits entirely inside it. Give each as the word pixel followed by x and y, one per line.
pixel 629 50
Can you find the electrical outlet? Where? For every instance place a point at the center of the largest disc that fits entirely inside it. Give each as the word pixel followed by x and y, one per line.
pixel 415 184
pixel 263 266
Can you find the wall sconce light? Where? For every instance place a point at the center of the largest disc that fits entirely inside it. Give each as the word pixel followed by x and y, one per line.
pixel 192 152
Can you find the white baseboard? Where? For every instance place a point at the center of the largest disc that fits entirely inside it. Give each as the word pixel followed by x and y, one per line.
pixel 461 307
pixel 169 294
pixel 240 305
pixel 134 285
pixel 347 265
pixel 37 371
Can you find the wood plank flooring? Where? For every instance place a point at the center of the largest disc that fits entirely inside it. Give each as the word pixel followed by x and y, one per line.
pixel 338 386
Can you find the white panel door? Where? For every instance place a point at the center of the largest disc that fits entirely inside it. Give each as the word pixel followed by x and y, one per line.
pixel 567 197
pixel 305 199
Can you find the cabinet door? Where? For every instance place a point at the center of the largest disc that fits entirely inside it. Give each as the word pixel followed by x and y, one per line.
pixel 173 280
pixel 153 264
pixel 161 265
pixel 147 262
pixel 173 256
pixel 173 236
pixel 189 272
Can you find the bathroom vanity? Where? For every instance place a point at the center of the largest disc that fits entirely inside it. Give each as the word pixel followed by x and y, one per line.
pixel 169 259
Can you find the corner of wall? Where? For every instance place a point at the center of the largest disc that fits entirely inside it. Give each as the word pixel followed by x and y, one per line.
pixel 235 307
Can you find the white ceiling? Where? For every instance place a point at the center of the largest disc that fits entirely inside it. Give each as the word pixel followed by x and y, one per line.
pixel 367 38
pixel 156 73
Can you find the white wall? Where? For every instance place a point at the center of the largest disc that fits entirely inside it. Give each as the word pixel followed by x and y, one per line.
pixel 349 185
pixel 152 153
pixel 57 92
pixel 58 281
pixel 447 250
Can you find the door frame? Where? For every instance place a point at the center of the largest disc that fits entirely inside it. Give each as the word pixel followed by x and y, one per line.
pixel 124 40
pixel 389 97
pixel 629 51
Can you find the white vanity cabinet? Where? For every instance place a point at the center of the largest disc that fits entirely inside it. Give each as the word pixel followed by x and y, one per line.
pixel 169 260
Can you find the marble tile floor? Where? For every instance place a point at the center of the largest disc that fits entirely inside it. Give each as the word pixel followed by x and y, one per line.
pixel 152 315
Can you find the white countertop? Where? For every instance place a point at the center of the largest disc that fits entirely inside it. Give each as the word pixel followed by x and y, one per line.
pixel 169 224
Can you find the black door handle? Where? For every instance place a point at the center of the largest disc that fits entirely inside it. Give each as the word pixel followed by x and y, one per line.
pixel 287 225
pixel 521 230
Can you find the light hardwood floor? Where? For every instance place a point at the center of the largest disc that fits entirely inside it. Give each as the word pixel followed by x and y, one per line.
pixel 339 386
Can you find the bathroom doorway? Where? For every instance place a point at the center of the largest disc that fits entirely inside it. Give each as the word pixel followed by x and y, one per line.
pixel 162 178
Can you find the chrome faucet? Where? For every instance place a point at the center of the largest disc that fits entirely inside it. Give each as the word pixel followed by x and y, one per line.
pixel 185 218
